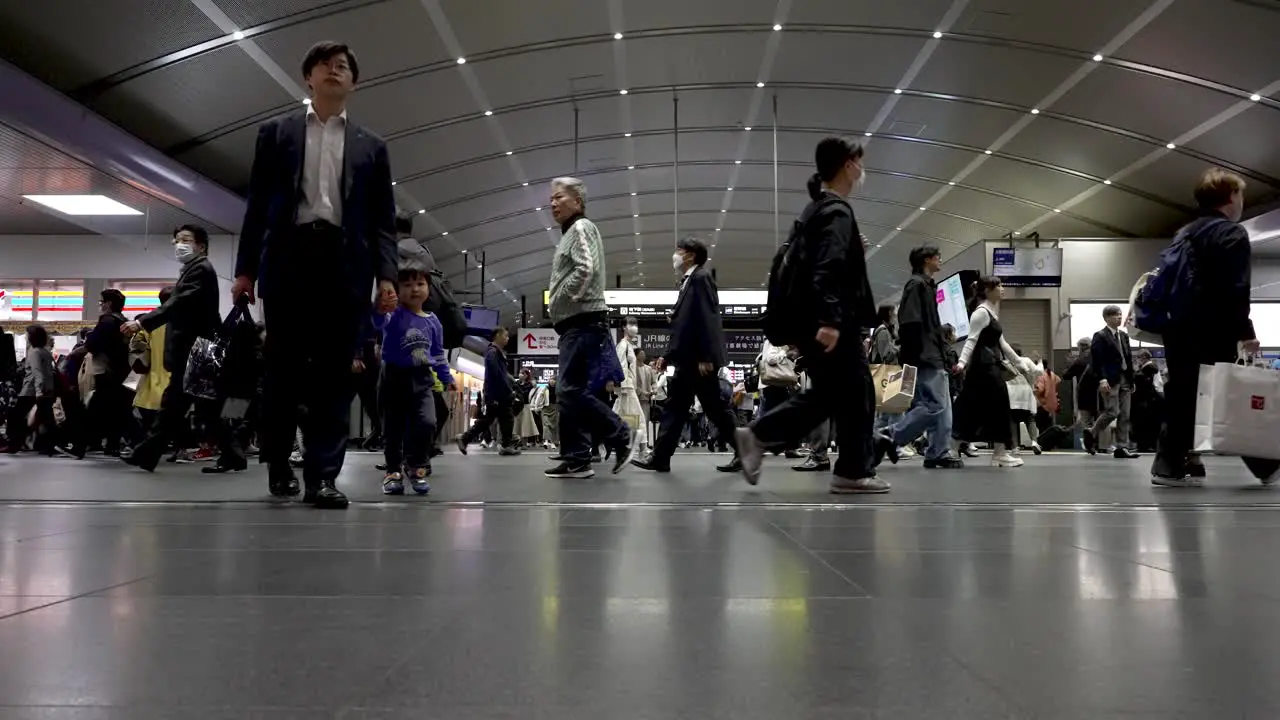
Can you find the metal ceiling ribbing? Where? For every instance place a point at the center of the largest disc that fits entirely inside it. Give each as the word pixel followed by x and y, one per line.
pixel 1004 120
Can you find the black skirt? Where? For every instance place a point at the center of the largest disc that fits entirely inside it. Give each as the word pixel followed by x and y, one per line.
pixel 982 410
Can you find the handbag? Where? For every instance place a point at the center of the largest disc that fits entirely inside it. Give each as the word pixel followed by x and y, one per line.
pixel 140 353
pixel 776 369
pixel 203 365
pixel 895 387
pixel 1238 411
pixel 1130 315
pixel 1008 371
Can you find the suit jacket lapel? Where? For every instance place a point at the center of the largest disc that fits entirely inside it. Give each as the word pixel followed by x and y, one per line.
pixel 298 131
pixel 350 151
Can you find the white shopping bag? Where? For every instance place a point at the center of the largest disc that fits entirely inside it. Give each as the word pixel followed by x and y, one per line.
pixel 1238 411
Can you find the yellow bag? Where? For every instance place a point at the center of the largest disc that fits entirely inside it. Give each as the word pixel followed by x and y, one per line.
pixel 895 387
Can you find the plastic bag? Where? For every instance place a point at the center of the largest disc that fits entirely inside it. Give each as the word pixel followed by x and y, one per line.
pixel 203 365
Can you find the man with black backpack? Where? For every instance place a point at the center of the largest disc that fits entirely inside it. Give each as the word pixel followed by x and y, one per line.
pixel 1209 319
pixel 820 301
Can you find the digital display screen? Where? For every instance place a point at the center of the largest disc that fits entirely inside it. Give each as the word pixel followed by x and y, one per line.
pixel 951 305
pixel 1027 266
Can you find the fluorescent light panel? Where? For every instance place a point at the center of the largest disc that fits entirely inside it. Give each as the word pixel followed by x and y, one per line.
pixel 83 204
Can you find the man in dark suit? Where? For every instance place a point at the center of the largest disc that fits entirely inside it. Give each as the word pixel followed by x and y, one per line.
pixel 697 354
pixel 1112 359
pixel 318 230
pixel 190 312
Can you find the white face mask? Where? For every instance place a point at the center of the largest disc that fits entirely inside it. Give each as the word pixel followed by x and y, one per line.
pixel 185 252
pixel 677 261
pixel 862 181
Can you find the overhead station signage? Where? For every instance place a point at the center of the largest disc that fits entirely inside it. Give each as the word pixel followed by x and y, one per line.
pixel 658 303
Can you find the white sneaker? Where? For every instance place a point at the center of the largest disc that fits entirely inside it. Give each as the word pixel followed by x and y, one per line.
pixel 1005 460
pixel 1035 448
pixel 906 451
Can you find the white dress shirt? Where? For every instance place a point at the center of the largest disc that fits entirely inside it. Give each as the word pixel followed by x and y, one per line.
pixel 322 169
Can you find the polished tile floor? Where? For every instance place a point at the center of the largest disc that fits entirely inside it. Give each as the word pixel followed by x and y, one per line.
pixel 115 611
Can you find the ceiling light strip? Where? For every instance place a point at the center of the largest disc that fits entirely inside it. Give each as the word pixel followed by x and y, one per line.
pixel 617 20
pixel 252 49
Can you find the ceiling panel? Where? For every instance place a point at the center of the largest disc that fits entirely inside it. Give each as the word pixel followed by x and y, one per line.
pixel 880 59
pixel 522 23
pixel 918 14
pixel 1173 175
pixel 386 37
pixel 415 101
pixel 1138 216
pixel 953 122
pixel 653 14
pixel 1025 181
pixel 1076 147
pixel 1127 99
pixel 68 43
pixel 1079 24
pixel 1251 139
pixel 1194 38
pixel 993 73
pixel 201 94
pixel 1004 213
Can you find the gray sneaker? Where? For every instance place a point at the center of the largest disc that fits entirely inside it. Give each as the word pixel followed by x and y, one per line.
pixel 864 486
pixel 1182 482
pixel 751 453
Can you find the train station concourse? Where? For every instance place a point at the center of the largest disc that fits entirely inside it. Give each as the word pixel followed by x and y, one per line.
pixel 374 359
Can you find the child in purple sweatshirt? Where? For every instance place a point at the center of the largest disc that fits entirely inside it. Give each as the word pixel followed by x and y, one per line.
pixel 412 350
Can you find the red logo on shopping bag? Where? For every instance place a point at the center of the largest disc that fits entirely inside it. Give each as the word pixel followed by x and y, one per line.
pixel 1258 402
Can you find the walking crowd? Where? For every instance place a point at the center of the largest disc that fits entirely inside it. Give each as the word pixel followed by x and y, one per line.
pixel 211 386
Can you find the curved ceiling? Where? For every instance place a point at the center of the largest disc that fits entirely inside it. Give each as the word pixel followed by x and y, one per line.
pixel 1073 118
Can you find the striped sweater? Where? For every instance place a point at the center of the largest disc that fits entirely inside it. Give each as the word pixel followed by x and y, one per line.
pixel 577 273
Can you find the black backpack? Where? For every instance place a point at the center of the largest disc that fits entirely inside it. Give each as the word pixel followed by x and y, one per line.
pixel 441 301
pixel 787 318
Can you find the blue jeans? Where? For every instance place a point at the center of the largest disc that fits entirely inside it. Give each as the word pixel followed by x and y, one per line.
pixel 930 412
pixel 584 418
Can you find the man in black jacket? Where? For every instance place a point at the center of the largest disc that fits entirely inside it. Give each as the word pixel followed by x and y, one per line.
pixel 1217 327
pixel 191 312
pixel 697 354
pixel 1112 358
pixel 841 309
pixel 319 218
pixel 108 408
pixel 921 344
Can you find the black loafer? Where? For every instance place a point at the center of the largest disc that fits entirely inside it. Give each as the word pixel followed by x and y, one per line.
pixel 283 485
pixel 650 464
pixel 733 466
pixel 330 498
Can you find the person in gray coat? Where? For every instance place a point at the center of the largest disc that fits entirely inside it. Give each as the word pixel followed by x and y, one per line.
pixel 37 392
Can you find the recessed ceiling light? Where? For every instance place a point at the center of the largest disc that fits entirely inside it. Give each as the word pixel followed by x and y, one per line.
pixel 724 211
pixel 776 28
pixel 631 167
pixel 1097 58
pixel 508 152
pixel 464 252
pixel 639 262
pixel 626 134
pixel 446 232
pixel 1057 210
pixel 1171 146
pixel 988 152
pixel 729 189
pixel 1016 233
pixel 548 227
pixel 737 162
pixel 937 35
pixel 83 204
pixel 617 36
pixel 488 113
pixel 1035 111
pixel 636 215
pixel 422 212
pixel 622 92
pixel 713 244
pixel 237 35
pixel 306 101
pixel 538 209
pixel 637 249
pixel 867 134
pixel 923 207
pixel 393 183
pixel 462 61
pixel 525 184
pixel 747 128
pixel 953 182
pixel 898 229
pixel 897 91
pixel 1255 97
pixel 1106 182
pixel 759 84
pixel 717 229
pixel 633 194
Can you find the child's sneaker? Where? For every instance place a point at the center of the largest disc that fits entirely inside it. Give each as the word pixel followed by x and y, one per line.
pixel 393 484
pixel 420 484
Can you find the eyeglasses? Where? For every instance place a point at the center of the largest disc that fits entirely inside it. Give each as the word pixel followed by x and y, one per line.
pixel 337 65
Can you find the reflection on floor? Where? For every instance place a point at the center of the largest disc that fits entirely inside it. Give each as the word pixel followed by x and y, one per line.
pixel 110 611
pixel 1070 479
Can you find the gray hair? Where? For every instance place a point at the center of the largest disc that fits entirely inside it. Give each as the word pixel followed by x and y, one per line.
pixel 576 187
